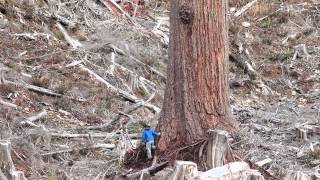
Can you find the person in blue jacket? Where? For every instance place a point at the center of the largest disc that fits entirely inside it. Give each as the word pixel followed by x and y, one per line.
pixel 148 136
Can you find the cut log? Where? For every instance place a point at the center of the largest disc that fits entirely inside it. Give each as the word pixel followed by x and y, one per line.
pixel 72 42
pixel 219 151
pixel 36 89
pixel 119 10
pixel 149 67
pixel 151 171
pixel 62 134
pixel 95 146
pixel 7 168
pixel 244 65
pixel 8 104
pixel 232 171
pixel 122 93
pixel 245 8
pixel 31 119
pixel 264 162
pixel 117 116
pixel 185 170
pixel 297 175
pixel 306 132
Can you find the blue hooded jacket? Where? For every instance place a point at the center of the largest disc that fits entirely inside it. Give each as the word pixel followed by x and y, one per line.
pixel 148 134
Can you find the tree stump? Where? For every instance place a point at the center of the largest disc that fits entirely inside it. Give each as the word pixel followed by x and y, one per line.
pixel 297 176
pixel 185 170
pixel 219 151
pixel 232 171
pixel 7 169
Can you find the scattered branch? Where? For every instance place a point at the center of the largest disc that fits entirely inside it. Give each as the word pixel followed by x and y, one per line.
pixel 245 8
pixel 8 104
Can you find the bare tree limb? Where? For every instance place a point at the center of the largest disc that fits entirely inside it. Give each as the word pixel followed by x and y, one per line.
pixel 95 146
pixel 8 104
pixel 122 93
pixel 245 8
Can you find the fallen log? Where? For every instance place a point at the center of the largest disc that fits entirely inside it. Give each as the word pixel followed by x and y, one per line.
pixel 122 93
pixel 244 65
pixel 7 168
pixel 31 119
pixel 116 117
pixel 61 134
pixel 245 8
pixel 151 170
pixel 297 175
pixel 73 43
pixel 36 89
pixel 264 162
pixel 185 170
pixel 219 151
pixel 95 146
pixel 232 171
pixel 8 104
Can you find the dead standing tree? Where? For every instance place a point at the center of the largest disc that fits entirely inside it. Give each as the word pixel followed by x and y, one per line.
pixel 196 97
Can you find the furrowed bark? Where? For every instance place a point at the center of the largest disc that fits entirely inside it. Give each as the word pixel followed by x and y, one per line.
pixel 196 98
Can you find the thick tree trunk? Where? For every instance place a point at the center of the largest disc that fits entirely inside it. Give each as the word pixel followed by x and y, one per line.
pixel 196 98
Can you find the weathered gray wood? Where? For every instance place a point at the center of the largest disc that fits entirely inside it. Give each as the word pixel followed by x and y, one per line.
pixel 297 175
pixel 6 164
pixel 185 170
pixel 122 93
pixel 8 104
pixel 219 151
pixel 232 171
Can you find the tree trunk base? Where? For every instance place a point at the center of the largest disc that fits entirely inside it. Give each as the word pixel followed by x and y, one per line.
pixel 7 169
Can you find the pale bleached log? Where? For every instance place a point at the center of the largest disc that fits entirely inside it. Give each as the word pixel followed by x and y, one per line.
pixel 30 120
pixel 8 104
pixel 253 74
pixel 219 151
pixel 122 93
pixel 63 134
pixel 93 135
pixel 147 171
pixel 150 84
pixel 74 63
pixel 36 89
pixel 121 52
pixel 37 116
pixel 149 67
pixel 245 8
pixel 95 146
pixel 72 42
pixel 297 175
pixel 185 170
pixel 303 131
pixel 6 164
pixel 117 116
pixel 263 162
pixel 119 9
pixel 2 177
pixel 232 171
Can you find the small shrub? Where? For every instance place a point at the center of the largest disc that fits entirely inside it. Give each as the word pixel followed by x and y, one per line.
pixel 6 89
pixel 40 81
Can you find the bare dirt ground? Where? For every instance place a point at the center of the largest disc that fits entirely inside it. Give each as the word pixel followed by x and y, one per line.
pixel 278 39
